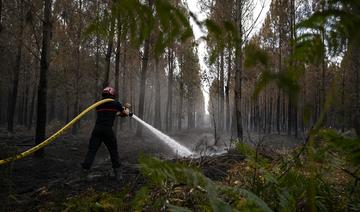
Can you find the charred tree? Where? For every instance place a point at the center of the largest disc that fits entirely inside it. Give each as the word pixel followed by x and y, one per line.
pixel 124 75
pixel 238 73
pixel 143 82
pixel 15 82
pixel 221 93
pixel 108 54
pixel 157 109
pixel 32 108
pixel 181 102
pixel 227 91
pixel 169 104
pixel 76 110
pixel 44 68
pixel 117 65
pixel 1 6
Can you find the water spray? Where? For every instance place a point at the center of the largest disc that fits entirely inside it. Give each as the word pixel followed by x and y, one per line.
pixel 174 145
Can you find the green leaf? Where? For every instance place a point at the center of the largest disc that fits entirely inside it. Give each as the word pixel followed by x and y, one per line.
pixel 175 208
pixel 140 199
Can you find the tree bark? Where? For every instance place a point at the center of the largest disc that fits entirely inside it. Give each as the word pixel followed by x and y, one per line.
pixel 97 61
pixel 238 73
pixel 1 6
pixel 270 115
pixel 117 59
pixel 181 102
pixel 356 66
pixel 190 108
pixel 108 55
pixel 227 92
pixel 76 111
pixel 354 48
pixel 142 83
pixel 157 109
pixel 291 108
pixel 26 94
pixel 44 68
pixel 296 103
pixel 125 79
pixel 32 108
pixel 170 90
pixel 21 106
pixel 221 90
pixel 343 100
pixel 15 83
pixel 278 113
pixel 117 65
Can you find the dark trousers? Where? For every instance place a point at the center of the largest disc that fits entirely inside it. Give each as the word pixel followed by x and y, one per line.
pixel 99 135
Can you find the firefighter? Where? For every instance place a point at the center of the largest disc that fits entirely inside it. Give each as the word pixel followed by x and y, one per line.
pixel 103 132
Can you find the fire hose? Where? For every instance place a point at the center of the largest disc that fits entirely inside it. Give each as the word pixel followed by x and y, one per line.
pixel 54 136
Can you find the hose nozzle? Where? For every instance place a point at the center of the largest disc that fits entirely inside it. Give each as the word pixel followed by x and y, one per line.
pixel 127 112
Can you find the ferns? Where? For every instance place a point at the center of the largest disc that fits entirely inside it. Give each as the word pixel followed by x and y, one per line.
pixel 256 184
pixel 164 175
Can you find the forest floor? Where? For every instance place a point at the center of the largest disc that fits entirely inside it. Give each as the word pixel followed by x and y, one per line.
pixel 31 182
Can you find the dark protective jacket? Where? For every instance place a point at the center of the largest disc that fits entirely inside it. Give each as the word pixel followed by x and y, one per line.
pixel 106 113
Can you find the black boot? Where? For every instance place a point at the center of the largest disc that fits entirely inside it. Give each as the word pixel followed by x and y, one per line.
pixel 118 174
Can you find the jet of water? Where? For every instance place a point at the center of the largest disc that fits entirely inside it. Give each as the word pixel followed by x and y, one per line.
pixel 174 145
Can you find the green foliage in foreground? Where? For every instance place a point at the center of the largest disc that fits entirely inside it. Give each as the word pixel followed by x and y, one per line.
pixel 256 184
pixel 93 201
pixel 203 193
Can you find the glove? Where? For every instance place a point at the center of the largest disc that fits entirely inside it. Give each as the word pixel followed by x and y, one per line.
pixel 124 113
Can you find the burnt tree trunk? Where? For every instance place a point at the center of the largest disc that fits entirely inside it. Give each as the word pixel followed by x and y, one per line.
pixel 270 115
pixel 221 92
pixel 26 94
pixel 76 111
pixel 191 108
pixel 97 67
pixel 125 79
pixel 343 100
pixel 44 68
pixel 143 82
pixel 238 73
pixel 1 5
pixel 117 59
pixel 181 102
pixel 293 28
pixel 170 90
pixel 355 66
pixel 108 55
pixel 157 109
pixel 117 67
pixel 278 113
pixel 32 107
pixel 143 76
pixel 227 92
pixel 15 82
